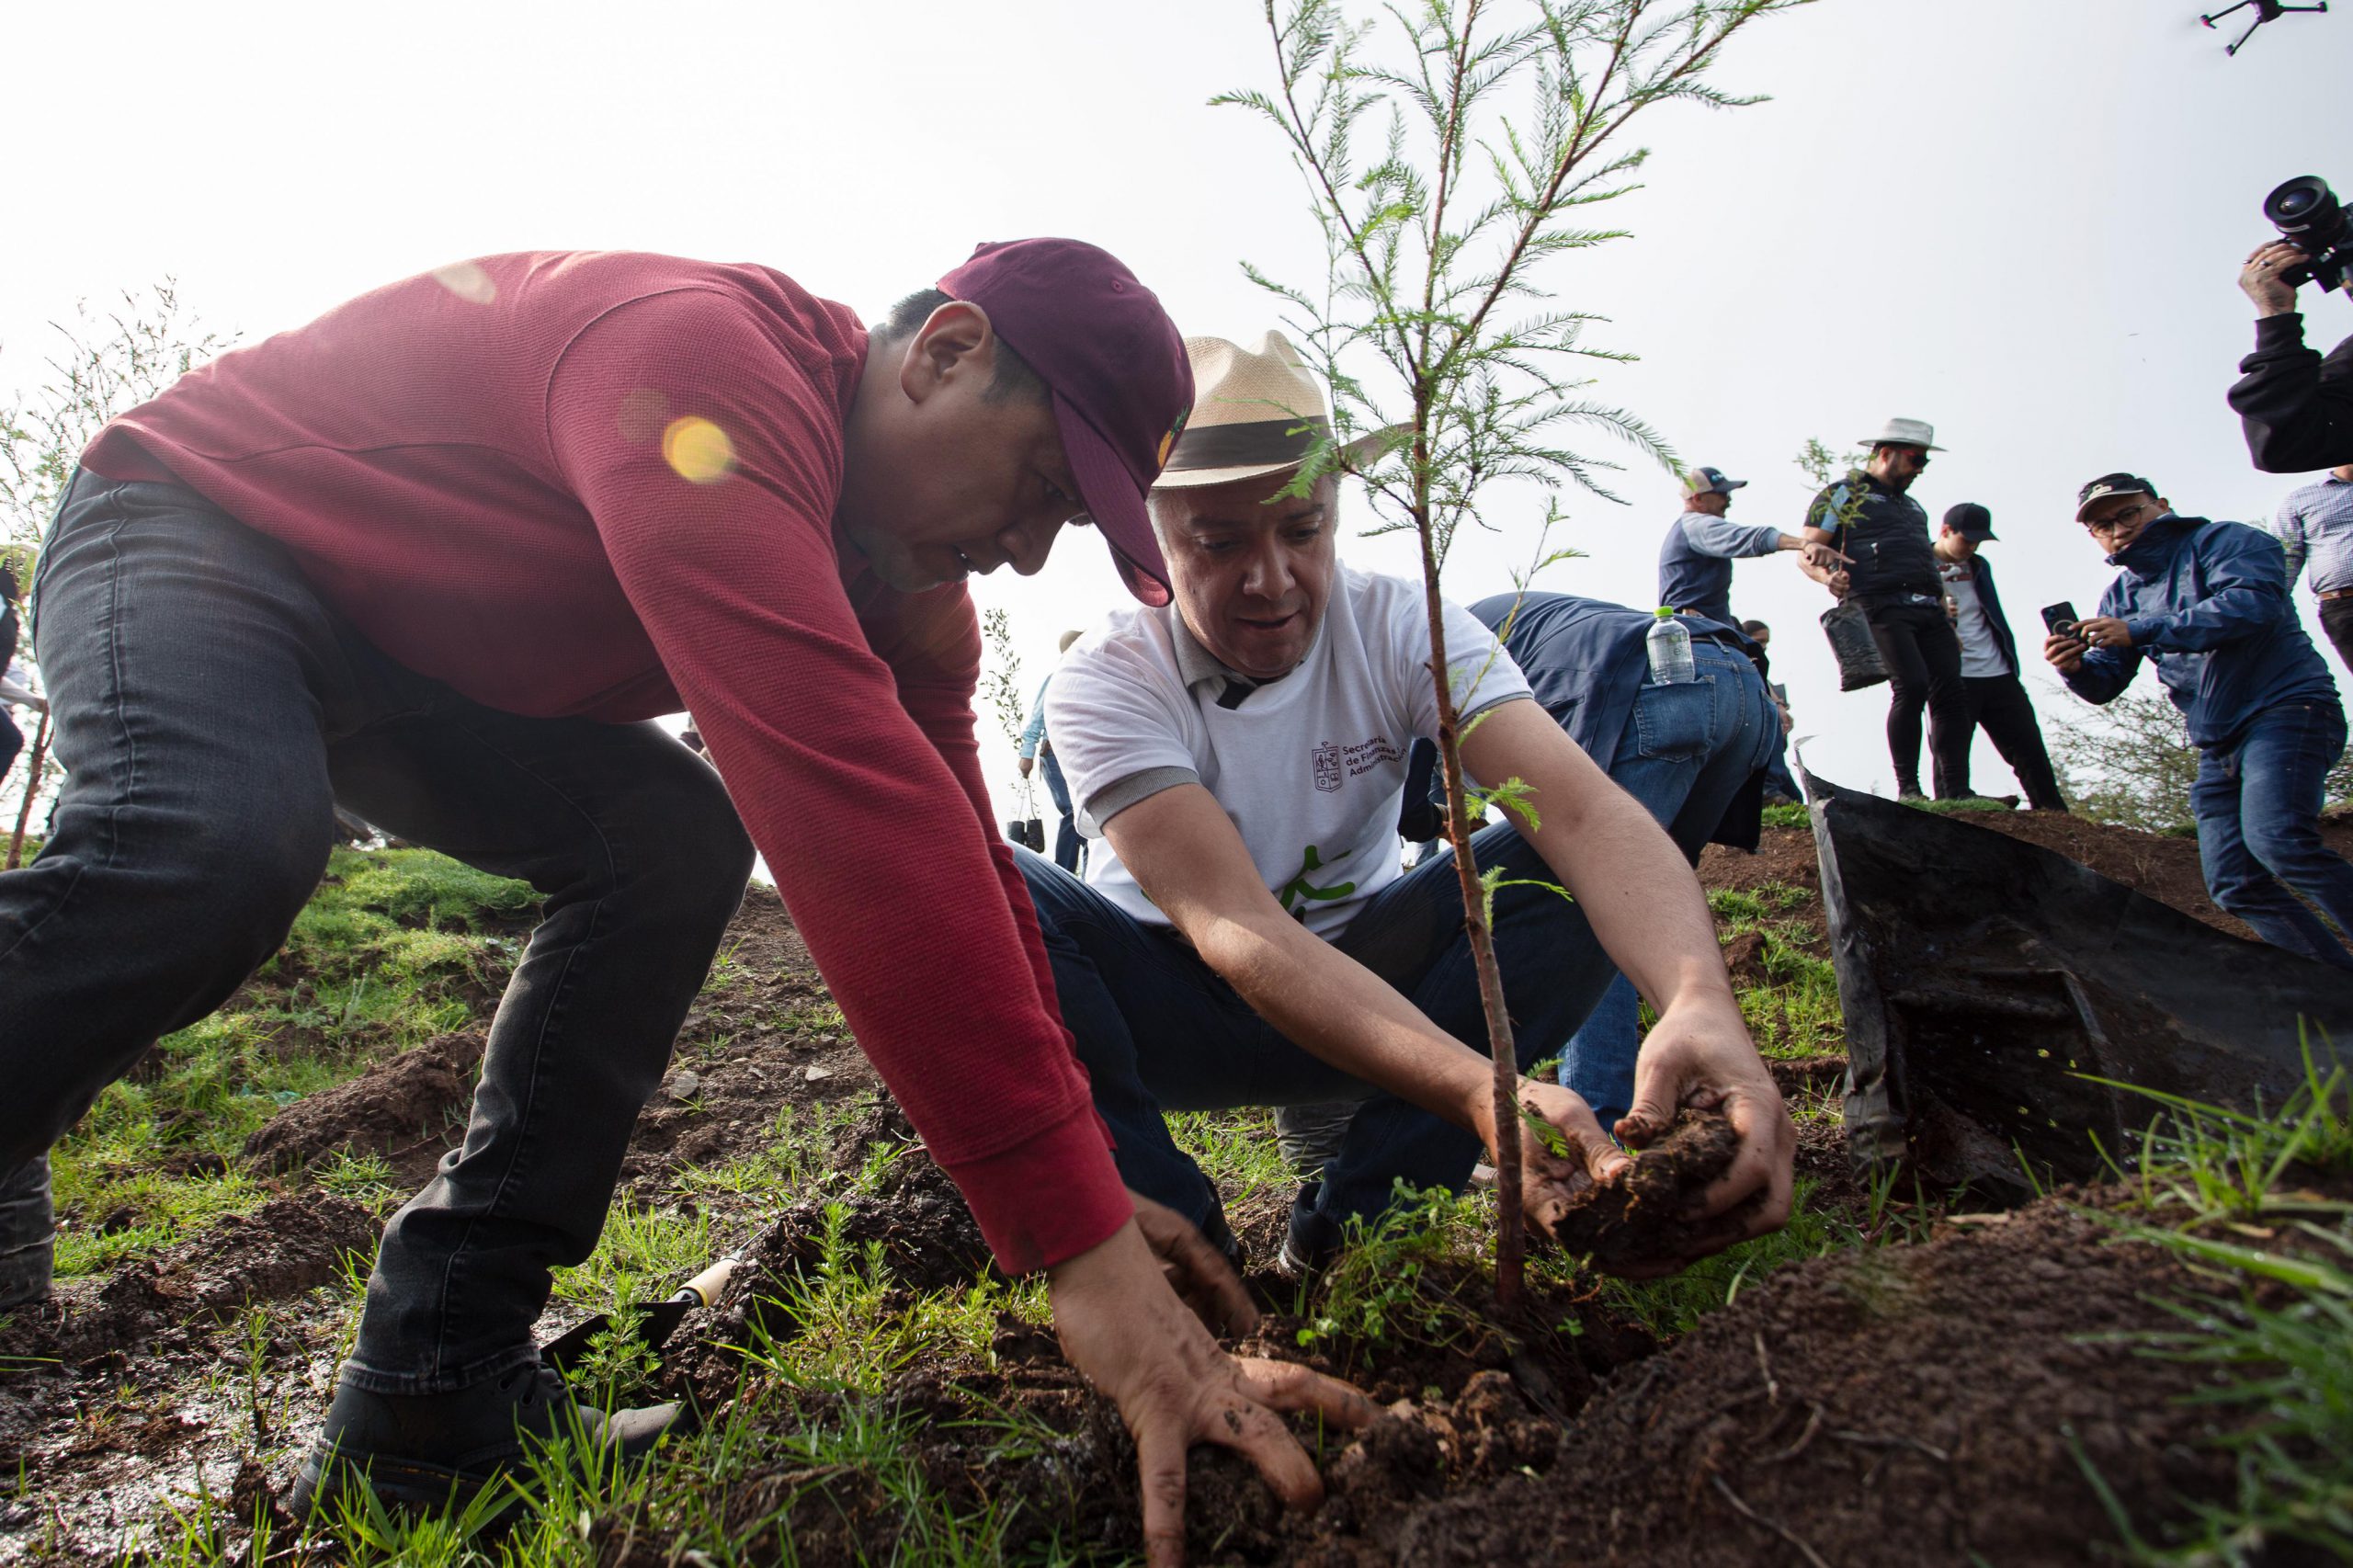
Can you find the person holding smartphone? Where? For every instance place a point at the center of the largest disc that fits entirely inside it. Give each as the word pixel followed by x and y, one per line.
pixel 2207 603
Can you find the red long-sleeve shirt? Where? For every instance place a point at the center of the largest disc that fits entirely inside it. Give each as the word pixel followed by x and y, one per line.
pixel 602 484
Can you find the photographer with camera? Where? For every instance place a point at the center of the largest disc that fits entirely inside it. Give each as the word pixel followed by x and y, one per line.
pixel 2297 408
pixel 2208 603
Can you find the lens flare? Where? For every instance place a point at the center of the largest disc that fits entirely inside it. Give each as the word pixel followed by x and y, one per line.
pixel 698 450
pixel 467 280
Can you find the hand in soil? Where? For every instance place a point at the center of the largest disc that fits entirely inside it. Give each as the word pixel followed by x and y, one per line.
pixel 1197 1271
pixel 1122 1325
pixel 1700 1057
pixel 1562 1151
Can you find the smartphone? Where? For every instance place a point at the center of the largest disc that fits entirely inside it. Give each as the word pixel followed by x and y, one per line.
pixel 2060 618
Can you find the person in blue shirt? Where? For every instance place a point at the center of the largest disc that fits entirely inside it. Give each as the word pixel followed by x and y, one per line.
pixel 2315 527
pixel 1695 559
pixel 2207 603
pixel 1036 750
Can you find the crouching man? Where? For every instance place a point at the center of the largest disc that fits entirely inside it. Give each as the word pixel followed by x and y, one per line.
pixel 1695 754
pixel 1248 936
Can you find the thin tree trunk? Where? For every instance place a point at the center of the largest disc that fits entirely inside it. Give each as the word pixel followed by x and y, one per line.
pixel 1511 1240
pixel 32 787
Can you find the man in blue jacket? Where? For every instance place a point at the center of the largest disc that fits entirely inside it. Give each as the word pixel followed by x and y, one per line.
pixel 1989 656
pixel 2208 603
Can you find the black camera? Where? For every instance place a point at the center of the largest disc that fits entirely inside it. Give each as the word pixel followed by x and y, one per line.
pixel 2306 213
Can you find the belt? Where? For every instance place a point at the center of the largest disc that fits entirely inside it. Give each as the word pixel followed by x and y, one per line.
pixel 2336 593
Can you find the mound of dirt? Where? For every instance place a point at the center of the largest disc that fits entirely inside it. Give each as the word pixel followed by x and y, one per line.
pixel 1940 1404
pixel 285 1246
pixel 928 1241
pixel 1638 1218
pixel 409 1109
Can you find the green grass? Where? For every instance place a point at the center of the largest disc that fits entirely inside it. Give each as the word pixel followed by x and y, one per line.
pixel 2237 1197
pixel 1789 815
pixel 1798 1013
pixel 395 947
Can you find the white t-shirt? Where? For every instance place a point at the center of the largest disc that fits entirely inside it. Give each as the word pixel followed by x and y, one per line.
pixel 1311 767
pixel 1979 653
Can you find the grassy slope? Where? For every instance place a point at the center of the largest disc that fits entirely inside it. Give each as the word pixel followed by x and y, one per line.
pixel 401 945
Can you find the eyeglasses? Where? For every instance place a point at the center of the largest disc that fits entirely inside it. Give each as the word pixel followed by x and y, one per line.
pixel 2116 519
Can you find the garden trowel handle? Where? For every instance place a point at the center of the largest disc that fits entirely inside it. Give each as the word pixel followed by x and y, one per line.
pixel 704 1288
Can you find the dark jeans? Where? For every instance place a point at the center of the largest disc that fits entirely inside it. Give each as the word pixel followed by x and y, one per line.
pixel 1999 704
pixel 2336 620
pixel 2258 801
pixel 1160 1031
pixel 211 711
pixel 12 740
pixel 1923 656
pixel 1066 844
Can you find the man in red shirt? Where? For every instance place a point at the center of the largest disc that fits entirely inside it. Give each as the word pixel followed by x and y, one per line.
pixel 441 556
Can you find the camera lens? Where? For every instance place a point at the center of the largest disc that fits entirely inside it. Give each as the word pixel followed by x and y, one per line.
pixel 2305 210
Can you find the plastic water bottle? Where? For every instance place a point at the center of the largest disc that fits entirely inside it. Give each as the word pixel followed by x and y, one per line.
pixel 1670 650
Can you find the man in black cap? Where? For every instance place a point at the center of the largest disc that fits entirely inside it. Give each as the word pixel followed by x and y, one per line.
pixel 2208 603
pixel 1891 573
pixel 1989 656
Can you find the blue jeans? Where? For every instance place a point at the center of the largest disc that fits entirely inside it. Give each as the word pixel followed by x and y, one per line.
pixel 1686 752
pixel 211 711
pixel 1159 1031
pixel 2258 802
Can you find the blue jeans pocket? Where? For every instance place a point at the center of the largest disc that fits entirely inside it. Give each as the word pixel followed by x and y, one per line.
pixel 1675 723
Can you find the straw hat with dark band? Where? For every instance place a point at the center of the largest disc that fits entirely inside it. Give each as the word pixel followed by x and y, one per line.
pixel 1255 415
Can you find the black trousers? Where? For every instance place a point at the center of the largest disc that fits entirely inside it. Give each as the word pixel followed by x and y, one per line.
pixel 2000 706
pixel 2336 620
pixel 1923 656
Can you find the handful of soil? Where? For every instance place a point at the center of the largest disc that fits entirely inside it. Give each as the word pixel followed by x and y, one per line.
pixel 1638 1218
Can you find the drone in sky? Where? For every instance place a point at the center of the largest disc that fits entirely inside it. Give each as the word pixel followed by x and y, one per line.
pixel 2265 11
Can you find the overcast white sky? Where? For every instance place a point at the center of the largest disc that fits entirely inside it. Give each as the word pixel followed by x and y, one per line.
pixel 2016 218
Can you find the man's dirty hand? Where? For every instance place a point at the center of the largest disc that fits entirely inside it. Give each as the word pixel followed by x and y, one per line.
pixel 1701 1057
pixel 1563 1151
pixel 1197 1271
pixel 1122 1325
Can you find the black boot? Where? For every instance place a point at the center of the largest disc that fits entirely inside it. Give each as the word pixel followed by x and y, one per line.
pixel 427 1451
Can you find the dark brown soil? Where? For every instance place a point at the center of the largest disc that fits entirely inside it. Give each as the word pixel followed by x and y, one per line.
pixel 284 1247
pixel 1930 1404
pixel 411 1109
pixel 1639 1218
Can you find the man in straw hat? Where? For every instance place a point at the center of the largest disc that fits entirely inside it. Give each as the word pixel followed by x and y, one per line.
pixel 1870 518
pixel 1246 935
pixel 445 554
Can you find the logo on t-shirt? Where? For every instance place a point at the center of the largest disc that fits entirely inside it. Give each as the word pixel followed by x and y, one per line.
pixel 1297 893
pixel 1327 767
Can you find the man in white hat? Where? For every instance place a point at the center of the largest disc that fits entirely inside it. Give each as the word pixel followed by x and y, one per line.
pixel 1870 518
pixel 1246 935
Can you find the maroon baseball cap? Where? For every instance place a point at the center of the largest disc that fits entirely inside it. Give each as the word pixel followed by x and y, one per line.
pixel 1116 366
